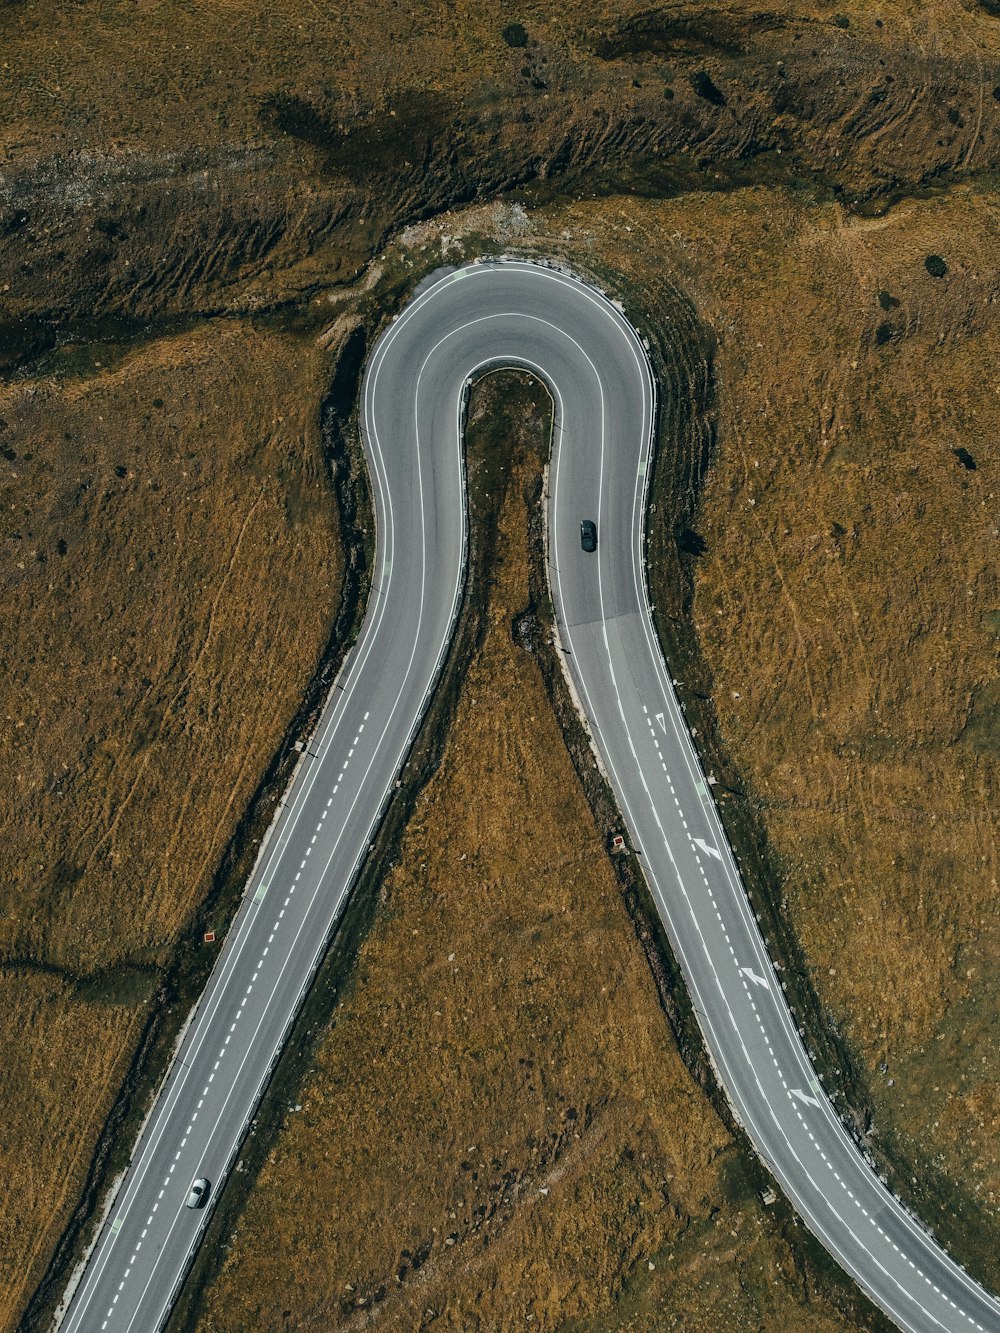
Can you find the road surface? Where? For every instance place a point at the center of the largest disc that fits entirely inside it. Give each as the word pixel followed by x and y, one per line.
pixel 414 388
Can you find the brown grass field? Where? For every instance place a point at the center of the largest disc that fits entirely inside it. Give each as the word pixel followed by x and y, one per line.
pixel 159 516
pixel 498 1130
pixel 845 608
pixel 181 187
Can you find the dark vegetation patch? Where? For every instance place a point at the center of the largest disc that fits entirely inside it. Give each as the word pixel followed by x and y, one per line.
pixel 288 113
pixel 13 222
pixel 935 266
pixel 965 458
pixel 401 136
pixel 982 727
pixel 690 542
pixel 663 32
pixel 64 878
pixel 515 34
pixel 110 228
pixel 887 301
pixel 885 333
pixel 125 984
pixel 23 340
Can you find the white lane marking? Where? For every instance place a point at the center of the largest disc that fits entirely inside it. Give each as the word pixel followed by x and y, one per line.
pixel 754 977
pixel 807 1101
pixel 707 848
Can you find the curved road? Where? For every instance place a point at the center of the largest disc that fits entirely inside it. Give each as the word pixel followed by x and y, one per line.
pixel 414 390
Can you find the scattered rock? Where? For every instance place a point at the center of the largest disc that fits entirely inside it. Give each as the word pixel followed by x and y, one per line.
pixel 705 87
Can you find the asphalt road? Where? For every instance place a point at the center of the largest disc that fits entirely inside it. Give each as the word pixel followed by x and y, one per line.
pixel 414 388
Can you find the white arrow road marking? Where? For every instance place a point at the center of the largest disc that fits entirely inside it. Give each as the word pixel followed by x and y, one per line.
pixel 757 981
pixel 661 718
pixel 803 1097
pixel 710 851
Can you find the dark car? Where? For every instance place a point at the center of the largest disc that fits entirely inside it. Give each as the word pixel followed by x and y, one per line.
pixel 588 534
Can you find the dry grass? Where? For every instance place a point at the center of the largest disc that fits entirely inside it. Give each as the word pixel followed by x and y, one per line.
pixel 864 728
pixel 145 166
pixel 213 156
pixel 163 519
pixel 499 1128
pixel 847 609
pixel 151 79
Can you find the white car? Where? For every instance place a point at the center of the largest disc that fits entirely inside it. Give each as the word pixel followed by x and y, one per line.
pixel 198 1193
